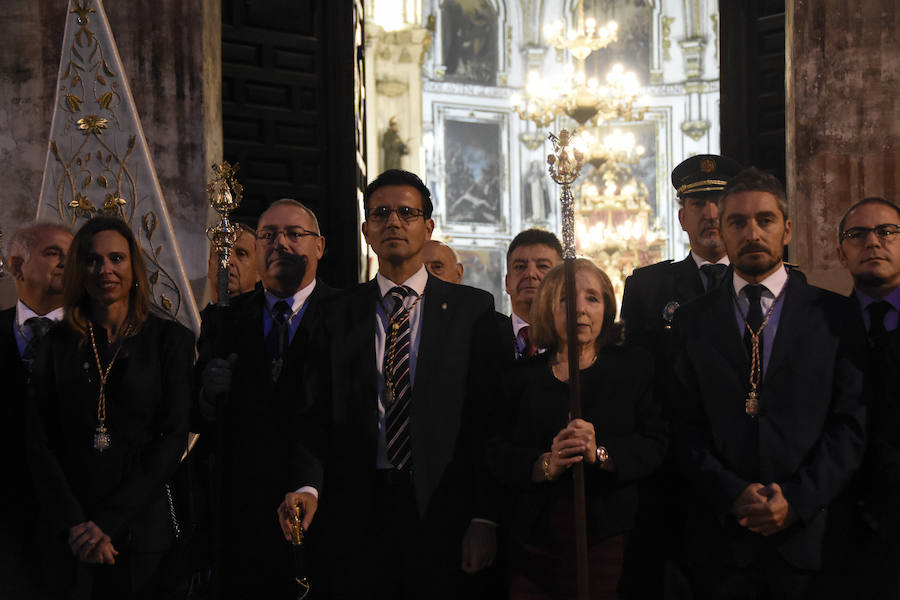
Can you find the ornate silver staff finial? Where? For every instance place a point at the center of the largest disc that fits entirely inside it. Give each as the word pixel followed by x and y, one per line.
pixel 565 166
pixel 224 194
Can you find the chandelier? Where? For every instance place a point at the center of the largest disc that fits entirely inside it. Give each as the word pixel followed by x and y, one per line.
pixel 614 221
pixel 574 94
pixel 585 39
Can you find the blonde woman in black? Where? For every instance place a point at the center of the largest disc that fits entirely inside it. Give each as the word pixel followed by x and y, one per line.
pixel 620 438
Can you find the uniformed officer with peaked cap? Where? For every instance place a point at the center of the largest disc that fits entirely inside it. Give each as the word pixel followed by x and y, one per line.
pixel 652 294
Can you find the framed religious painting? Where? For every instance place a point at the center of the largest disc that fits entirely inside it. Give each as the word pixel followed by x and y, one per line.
pixel 473 182
pixel 483 268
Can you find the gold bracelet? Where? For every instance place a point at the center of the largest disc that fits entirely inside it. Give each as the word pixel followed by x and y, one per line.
pixel 545 466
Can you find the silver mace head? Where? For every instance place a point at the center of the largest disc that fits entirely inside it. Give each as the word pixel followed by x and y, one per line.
pixel 224 193
pixel 565 167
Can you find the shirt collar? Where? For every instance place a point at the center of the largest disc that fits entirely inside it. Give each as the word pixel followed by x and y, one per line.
pixel 865 300
pixel 417 282
pixel 518 323
pixel 23 313
pixel 774 282
pixel 297 299
pixel 700 261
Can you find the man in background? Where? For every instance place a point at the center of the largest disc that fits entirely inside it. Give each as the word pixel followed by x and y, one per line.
pixel 242 272
pixel 531 255
pixel 37 257
pixel 869 248
pixel 442 262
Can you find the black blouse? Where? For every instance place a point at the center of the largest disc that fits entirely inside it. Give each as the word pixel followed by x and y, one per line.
pixel 148 399
pixel 617 399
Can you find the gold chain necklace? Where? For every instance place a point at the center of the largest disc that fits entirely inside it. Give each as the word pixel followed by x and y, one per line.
pixel 101 436
pixel 391 345
pixel 751 404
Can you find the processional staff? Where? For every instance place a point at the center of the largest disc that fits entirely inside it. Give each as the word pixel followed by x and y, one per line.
pixel 224 193
pixel 565 166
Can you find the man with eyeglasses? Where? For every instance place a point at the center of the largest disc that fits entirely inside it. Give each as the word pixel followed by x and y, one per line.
pixel 408 380
pixel 869 247
pixel 252 359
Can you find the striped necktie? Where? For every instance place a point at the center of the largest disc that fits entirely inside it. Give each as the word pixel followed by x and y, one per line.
pixel 397 394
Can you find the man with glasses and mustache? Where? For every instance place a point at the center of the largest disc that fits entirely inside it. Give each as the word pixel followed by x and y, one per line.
pixel 768 407
pixel 652 294
pixel 869 247
pixel 408 379
pixel 252 359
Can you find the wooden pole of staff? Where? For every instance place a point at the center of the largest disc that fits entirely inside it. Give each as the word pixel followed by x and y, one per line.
pixel 565 165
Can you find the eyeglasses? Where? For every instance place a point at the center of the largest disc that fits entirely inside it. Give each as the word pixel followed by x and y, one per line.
pixel 407 214
pixel 858 235
pixel 291 234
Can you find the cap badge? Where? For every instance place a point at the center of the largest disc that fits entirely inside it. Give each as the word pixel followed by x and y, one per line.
pixel 708 165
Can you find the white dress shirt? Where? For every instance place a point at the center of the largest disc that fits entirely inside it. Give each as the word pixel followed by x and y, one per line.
pixel 771 291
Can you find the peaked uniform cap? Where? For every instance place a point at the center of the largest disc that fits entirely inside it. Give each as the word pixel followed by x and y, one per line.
pixel 703 173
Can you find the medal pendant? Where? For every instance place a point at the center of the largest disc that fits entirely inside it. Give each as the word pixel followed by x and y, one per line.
pixel 751 405
pixel 389 393
pixel 101 438
pixel 395 326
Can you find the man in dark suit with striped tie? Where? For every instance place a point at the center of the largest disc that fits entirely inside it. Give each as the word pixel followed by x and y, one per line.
pixel 869 247
pixel 408 381
pixel 36 260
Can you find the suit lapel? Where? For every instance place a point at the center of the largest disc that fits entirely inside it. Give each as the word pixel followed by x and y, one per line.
pixel 249 327
pixel 433 332
pixel 795 315
pixel 721 329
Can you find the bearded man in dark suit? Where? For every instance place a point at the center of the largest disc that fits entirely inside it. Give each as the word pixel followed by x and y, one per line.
pixel 252 355
pixel 408 378
pixel 769 407
pixel 36 260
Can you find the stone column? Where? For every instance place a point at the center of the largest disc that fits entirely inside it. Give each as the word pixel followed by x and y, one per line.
pixel 172 56
pixel 843 121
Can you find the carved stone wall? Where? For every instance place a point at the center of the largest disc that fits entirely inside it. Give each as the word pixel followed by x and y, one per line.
pixel 172 56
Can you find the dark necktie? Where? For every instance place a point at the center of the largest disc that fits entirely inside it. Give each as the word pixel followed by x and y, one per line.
pixel 714 274
pixel 877 312
pixel 754 316
pixel 528 349
pixel 277 339
pixel 38 327
pixel 397 393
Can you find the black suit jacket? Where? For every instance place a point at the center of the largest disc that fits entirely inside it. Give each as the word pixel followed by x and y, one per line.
pixel 270 435
pixel 455 382
pixel 268 424
pixel 617 399
pixel 809 436
pixel 18 508
pixel 122 490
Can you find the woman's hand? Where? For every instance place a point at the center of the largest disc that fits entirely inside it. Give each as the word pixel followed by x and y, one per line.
pixel 88 542
pixel 584 431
